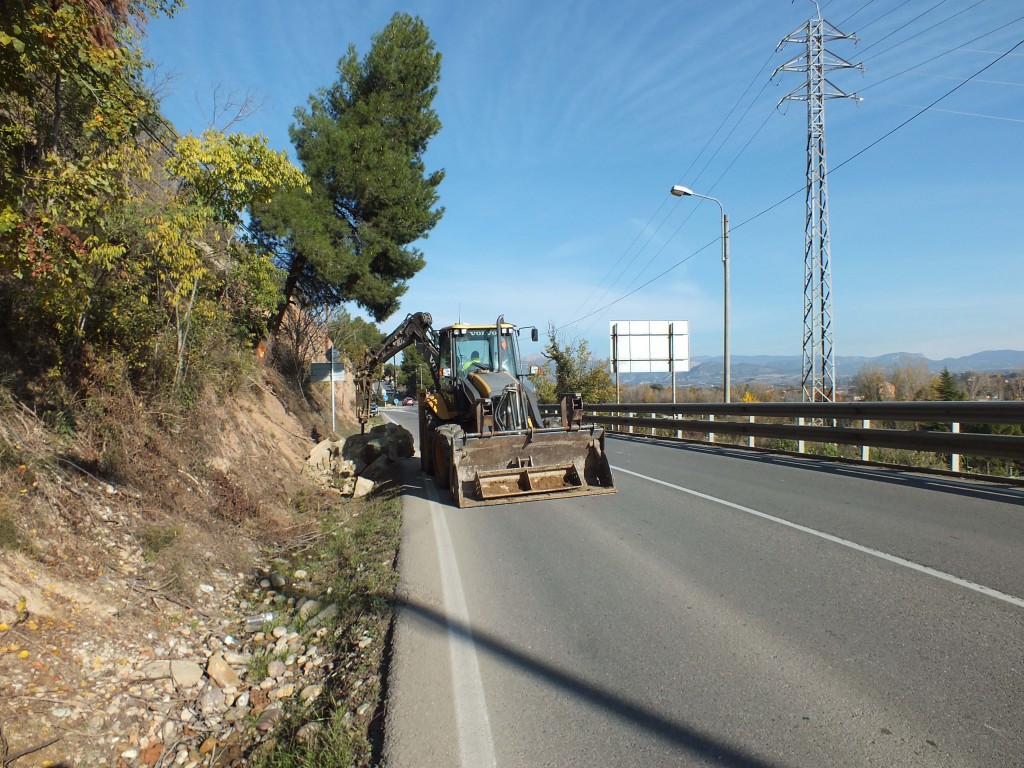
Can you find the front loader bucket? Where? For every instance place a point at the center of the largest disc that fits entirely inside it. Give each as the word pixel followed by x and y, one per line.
pixel 537 464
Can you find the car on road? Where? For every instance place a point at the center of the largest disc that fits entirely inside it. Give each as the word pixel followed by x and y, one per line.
pixel 409 401
pixel 374 409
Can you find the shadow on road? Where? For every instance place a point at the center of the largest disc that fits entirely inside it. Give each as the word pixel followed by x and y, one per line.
pixel 909 477
pixel 633 713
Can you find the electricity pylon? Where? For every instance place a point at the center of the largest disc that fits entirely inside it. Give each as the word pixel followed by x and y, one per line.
pixel 819 371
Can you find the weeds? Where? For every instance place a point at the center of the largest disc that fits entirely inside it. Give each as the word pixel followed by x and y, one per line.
pixel 9 536
pixel 11 455
pixel 353 560
pixel 330 747
pixel 235 505
pixel 156 539
pixel 258 666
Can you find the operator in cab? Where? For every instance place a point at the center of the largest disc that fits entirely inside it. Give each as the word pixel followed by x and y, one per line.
pixel 474 359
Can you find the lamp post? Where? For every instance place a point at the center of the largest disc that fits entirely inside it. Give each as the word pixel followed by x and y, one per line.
pixel 680 191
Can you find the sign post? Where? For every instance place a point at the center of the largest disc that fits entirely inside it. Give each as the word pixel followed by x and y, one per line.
pixel 650 346
pixel 331 371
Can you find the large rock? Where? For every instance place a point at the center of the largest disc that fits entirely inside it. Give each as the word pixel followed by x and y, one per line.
pixel 362 487
pixel 309 608
pixel 401 440
pixel 378 470
pixel 221 672
pixel 383 440
pixel 186 673
pixel 325 454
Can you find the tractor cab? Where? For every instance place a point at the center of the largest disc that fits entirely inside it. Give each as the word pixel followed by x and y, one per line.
pixel 467 349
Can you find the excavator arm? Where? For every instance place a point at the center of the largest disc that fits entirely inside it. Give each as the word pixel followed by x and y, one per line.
pixel 415 329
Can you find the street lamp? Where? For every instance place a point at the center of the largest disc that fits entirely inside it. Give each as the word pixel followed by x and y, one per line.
pixel 680 191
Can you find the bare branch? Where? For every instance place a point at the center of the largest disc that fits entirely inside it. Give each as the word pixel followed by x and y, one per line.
pixel 9 759
pixel 228 108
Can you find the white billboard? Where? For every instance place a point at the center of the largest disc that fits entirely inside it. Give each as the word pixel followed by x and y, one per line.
pixel 650 346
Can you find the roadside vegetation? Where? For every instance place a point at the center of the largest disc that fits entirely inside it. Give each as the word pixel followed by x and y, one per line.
pixel 352 554
pixel 161 296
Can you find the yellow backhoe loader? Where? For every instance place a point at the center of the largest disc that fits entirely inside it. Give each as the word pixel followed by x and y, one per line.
pixel 481 431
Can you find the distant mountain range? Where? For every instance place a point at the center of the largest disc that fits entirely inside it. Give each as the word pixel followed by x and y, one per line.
pixel 781 369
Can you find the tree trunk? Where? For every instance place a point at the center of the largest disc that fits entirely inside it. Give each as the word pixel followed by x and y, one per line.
pixel 294 272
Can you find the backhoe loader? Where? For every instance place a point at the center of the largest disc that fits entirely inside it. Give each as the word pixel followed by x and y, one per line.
pixel 481 432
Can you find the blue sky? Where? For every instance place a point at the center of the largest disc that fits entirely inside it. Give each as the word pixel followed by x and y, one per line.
pixel 566 123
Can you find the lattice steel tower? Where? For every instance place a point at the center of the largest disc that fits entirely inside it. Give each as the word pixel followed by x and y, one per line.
pixel 819 372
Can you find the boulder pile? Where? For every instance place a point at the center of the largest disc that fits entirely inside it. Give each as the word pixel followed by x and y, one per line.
pixel 357 463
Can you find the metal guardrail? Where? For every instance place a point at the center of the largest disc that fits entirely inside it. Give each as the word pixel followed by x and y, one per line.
pixel 821 423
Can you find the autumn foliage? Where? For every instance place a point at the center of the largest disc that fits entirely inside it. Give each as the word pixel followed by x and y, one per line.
pixel 118 237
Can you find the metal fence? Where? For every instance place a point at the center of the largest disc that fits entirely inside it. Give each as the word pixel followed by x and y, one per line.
pixel 915 426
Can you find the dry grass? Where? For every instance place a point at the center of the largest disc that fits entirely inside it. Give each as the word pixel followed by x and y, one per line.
pixel 353 557
pixel 94 480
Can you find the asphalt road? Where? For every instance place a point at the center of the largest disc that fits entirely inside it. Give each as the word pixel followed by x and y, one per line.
pixel 723 608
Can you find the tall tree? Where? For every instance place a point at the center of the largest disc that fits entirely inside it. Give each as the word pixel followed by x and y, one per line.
pixel 361 142
pixel 869 383
pixel 575 371
pixel 71 113
pixel 414 371
pixel 911 380
pixel 946 388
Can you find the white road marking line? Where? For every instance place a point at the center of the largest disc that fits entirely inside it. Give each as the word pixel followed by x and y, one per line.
pixel 843 542
pixel 476 744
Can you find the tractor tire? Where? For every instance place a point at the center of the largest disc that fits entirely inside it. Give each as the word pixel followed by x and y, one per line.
pixel 444 437
pixel 427 439
pixel 442 463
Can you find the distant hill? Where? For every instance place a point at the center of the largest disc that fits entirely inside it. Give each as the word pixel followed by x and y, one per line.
pixel 784 369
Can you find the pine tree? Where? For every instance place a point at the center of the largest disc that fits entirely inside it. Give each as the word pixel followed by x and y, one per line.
pixel 946 388
pixel 361 142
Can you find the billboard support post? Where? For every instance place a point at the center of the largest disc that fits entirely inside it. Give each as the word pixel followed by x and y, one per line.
pixel 650 346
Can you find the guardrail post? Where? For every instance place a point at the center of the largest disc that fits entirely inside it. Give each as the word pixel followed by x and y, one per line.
pixel 630 428
pixel 865 450
pixel 800 443
pixel 750 438
pixel 711 435
pixel 954 458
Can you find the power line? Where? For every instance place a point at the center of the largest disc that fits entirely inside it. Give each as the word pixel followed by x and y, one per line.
pixel 889 133
pixel 869 2
pixel 887 13
pixel 621 257
pixel 963 50
pixel 798 191
pixel 918 34
pixel 906 24
pixel 710 189
pixel 676 231
pixel 665 201
pixel 952 111
pixel 977 80
pixel 946 53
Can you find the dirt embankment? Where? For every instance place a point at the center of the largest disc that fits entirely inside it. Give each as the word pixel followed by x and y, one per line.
pixel 130 553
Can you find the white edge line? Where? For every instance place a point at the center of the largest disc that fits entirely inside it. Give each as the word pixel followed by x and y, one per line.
pixel 843 542
pixel 476 743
